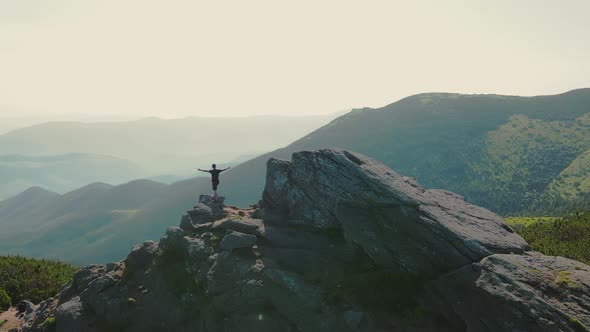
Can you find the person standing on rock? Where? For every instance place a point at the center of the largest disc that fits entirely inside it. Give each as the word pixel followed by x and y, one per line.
pixel 214 176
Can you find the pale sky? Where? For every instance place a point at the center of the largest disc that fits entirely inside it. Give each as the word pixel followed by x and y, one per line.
pixel 225 58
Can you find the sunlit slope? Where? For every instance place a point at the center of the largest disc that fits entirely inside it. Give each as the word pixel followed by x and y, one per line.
pixel 574 181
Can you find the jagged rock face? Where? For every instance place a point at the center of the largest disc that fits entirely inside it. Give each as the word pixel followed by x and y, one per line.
pixel 339 243
pixel 398 223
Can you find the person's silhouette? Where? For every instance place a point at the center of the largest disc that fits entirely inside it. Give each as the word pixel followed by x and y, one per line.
pixel 214 176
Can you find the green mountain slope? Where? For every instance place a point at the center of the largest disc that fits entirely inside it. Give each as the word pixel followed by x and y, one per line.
pixel 522 158
pixel 500 152
pixel 574 181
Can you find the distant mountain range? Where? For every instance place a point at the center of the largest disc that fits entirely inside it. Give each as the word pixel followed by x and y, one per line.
pixel 62 173
pixel 506 153
pixel 62 156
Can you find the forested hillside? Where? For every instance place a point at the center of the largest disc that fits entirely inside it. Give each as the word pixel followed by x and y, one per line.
pixel 31 279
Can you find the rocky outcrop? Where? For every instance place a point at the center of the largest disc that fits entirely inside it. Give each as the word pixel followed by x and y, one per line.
pixel 207 210
pixel 398 223
pixel 235 240
pixel 338 242
pixel 534 292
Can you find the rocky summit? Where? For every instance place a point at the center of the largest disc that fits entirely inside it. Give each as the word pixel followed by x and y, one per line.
pixel 338 242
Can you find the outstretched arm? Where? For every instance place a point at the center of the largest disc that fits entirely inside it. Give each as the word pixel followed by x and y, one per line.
pixel 225 169
pixel 202 170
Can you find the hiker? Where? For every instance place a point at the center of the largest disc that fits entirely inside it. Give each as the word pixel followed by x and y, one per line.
pixel 214 176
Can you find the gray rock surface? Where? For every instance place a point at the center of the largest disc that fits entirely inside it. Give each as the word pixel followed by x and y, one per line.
pixel 142 254
pixel 250 226
pixel 530 292
pixel 339 243
pixel 26 307
pixel 207 210
pixel 215 204
pixel 235 240
pixel 69 316
pixel 396 221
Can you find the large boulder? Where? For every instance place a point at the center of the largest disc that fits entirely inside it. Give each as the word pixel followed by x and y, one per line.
pixel 70 316
pixel 142 254
pixel 520 293
pixel 26 307
pixel 215 203
pixel 397 222
pixel 207 210
pixel 237 240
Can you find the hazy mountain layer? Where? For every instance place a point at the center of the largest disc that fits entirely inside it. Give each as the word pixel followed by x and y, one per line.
pixel 62 156
pixel 62 173
pixel 163 146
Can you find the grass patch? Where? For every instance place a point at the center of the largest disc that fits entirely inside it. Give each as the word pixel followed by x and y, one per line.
pixel 517 222
pixel 577 325
pixel 563 277
pixel 568 236
pixel 49 324
pixel 216 237
pixel 235 217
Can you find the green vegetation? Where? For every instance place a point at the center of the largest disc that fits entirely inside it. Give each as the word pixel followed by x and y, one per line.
pixel 518 222
pixel 573 181
pixel 531 164
pixel 216 238
pixel 5 300
pixel 577 325
pixel 568 236
pixel 49 324
pixel 563 277
pixel 31 279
